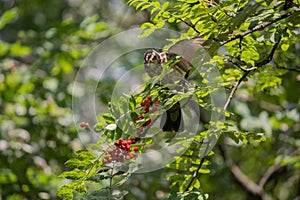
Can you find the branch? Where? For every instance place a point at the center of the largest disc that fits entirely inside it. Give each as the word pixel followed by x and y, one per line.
pixel 235 87
pixel 190 25
pixel 247 71
pixel 270 171
pixel 247 183
pixel 195 174
pixel 251 186
pixel 259 27
pixel 261 63
pixel 271 55
pixel 238 174
pixel 233 90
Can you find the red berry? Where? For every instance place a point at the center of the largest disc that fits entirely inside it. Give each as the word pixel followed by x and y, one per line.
pixel 84 125
pixel 132 139
pixel 110 151
pixel 149 98
pixel 156 103
pixel 128 157
pixel 146 109
pixel 120 159
pixel 104 161
pixel 142 103
pixel 135 149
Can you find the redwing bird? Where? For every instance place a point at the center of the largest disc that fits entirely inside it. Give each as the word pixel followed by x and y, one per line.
pixel 184 51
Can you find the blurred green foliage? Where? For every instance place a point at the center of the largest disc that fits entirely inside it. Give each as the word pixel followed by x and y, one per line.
pixel 42 45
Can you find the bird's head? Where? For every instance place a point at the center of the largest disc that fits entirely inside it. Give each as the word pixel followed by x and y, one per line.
pixel 152 56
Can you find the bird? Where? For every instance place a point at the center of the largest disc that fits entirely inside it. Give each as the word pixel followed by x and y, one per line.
pixel 175 78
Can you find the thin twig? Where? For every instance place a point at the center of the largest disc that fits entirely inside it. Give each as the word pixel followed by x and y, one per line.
pixel 270 171
pixel 289 69
pixel 195 174
pixel 263 62
pixel 233 90
pixel 190 25
pixel 259 27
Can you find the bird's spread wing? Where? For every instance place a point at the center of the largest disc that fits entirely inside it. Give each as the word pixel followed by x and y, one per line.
pixel 186 48
pixel 183 66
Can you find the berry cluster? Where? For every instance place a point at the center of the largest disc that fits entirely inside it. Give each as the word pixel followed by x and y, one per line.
pixel 147 102
pixel 122 151
pixel 148 107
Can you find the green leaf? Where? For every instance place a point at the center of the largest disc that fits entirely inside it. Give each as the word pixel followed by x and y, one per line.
pixel 123 105
pixel 109 119
pixel 204 171
pixel 4 48
pixel 147 25
pixel 284 47
pixel 66 192
pixel 165 5
pixel 240 19
pixel 196 184
pixel 85 155
pixel 145 6
pixel 81 188
pixel 147 32
pixel 141 4
pixel 99 127
pixel 73 175
pixel 7 17
pixel 76 163
pixel 261 38
pixel 17 49
pixel 191 1
pixel 272 38
pixel 98 178
pixel 147 140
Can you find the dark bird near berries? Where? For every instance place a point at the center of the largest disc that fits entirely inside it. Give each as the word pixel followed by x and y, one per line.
pixel 175 78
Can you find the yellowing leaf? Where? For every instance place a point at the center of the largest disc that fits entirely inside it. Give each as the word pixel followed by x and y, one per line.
pixel 284 47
